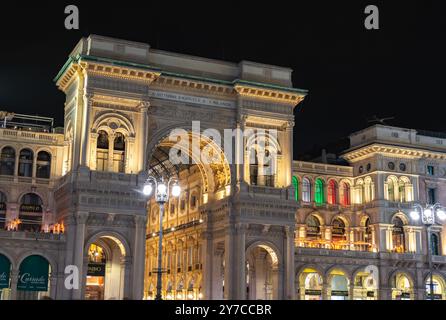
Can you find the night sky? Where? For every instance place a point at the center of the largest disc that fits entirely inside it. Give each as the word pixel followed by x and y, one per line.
pixel 351 73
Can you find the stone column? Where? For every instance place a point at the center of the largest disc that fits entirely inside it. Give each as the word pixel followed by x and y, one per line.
pixel 288 155
pixel 208 268
pixel 139 258
pixel 86 129
pixel 260 168
pixel 325 290
pixel 289 264
pixel 34 169
pixel 142 135
pixel 14 279
pixel 111 140
pixel 235 281
pixel 16 166
pixel 129 162
pixel 93 150
pixel 78 254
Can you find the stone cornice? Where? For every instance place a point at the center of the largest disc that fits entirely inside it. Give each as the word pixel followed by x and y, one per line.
pixel 104 67
pixel 391 151
pixel 268 93
pixel 147 74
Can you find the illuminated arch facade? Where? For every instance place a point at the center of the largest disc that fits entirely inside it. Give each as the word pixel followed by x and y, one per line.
pixel 252 224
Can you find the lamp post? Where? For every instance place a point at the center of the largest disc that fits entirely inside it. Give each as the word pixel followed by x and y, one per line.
pixel 428 216
pixel 161 197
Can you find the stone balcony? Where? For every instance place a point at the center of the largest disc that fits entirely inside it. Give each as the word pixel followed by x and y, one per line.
pixel 407 257
pixel 336 253
pixel 25 235
pixel 32 136
pixel 97 191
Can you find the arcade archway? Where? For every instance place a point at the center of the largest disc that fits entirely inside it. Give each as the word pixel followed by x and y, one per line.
pixel 439 287
pixel 338 285
pixel 107 269
pixel 402 287
pixel 310 284
pixel 262 273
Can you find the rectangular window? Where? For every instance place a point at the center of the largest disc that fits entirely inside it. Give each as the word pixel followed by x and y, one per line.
pixel 430 170
pixel 183 204
pixel 102 160
pixel 193 201
pixel 431 196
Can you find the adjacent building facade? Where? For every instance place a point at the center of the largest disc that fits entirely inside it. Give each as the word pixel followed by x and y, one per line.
pixel 243 227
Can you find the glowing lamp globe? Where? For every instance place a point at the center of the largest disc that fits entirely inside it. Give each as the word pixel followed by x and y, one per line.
pixel 415 215
pixel 441 215
pixel 147 190
pixel 176 190
pixel 162 188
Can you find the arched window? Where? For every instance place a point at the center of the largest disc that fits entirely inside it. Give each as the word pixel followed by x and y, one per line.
pixel 398 237
pixel 359 191
pixel 306 190
pixel 313 227
pixel 119 153
pixel 368 189
pixel 368 231
pixel 332 192
pixel 43 167
pixel 2 210
pixel 7 161
pixel 253 167
pixel 338 229
pixel 102 151
pixel 296 188
pixel 30 214
pixel 319 191
pixel 405 190
pixel 344 194
pixel 435 244
pixel 26 163
pixel 391 188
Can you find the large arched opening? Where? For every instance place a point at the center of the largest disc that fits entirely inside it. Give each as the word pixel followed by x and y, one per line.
pixel 204 175
pixel 107 271
pixel 262 272
pixel 439 287
pixel 402 286
pixel 310 284
pixel 365 284
pixel 338 285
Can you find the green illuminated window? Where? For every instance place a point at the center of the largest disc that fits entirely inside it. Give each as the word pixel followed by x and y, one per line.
pixel 319 191
pixel 296 188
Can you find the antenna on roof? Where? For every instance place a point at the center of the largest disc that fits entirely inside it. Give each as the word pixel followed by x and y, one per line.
pixel 375 119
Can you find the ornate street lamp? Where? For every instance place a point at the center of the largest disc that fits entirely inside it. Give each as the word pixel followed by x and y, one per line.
pixel 161 197
pixel 428 216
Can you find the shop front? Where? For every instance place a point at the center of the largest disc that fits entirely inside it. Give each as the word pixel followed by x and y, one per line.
pixel 403 287
pixel 33 279
pixel 438 287
pixel 312 285
pixel 365 287
pixel 5 272
pixel 338 286
pixel 95 287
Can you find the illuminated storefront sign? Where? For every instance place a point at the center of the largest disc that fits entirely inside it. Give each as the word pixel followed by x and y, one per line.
pixel 310 292
pixel 339 293
pixel 33 274
pixel 96 270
